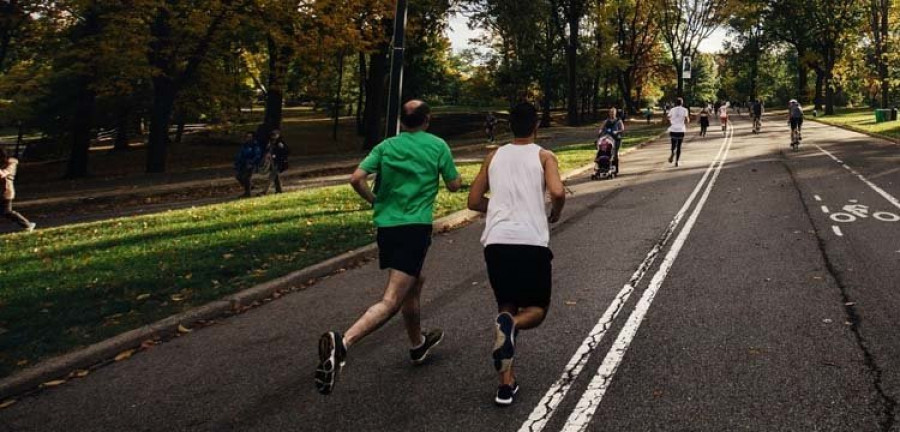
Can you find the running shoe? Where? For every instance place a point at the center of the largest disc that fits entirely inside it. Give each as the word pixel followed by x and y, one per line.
pixel 432 339
pixel 332 356
pixel 671 157
pixel 505 342
pixel 506 394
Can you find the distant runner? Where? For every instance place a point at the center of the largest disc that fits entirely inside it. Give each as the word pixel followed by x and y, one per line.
pixel 517 235
pixel 490 124
pixel 679 117
pixel 409 166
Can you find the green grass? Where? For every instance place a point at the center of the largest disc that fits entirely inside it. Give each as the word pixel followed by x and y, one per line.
pixel 862 119
pixel 68 287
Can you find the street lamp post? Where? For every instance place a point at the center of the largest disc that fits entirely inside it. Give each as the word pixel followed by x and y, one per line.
pixel 395 89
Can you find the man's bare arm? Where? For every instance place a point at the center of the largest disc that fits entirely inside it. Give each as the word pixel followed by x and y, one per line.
pixel 555 186
pixel 480 187
pixel 360 182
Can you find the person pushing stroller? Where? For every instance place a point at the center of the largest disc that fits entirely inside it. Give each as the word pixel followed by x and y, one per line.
pixel 614 128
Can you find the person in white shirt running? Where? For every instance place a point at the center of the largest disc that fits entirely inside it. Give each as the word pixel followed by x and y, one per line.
pixel 679 117
pixel 516 236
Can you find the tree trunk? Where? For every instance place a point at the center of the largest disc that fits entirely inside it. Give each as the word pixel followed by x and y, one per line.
pixel 820 80
pixel 375 98
pixel 160 116
pixel 82 123
pixel 574 19
pixel 829 93
pixel 123 124
pixel 360 98
pixel 278 56
pixel 802 77
pixel 337 96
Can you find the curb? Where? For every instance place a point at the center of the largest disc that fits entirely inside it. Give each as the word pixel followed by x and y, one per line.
pixel 60 367
pixel 859 131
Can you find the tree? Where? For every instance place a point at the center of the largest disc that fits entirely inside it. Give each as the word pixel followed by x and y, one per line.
pixel 834 22
pixel 684 24
pixel 573 12
pixel 879 13
pixel 635 37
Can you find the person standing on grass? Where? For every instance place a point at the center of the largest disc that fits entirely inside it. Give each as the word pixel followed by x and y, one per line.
pixel 276 159
pixel 490 124
pixel 517 235
pixel 679 117
pixel 246 163
pixel 409 167
pixel 8 168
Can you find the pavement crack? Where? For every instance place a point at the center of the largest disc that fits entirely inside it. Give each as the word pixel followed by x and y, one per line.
pixel 887 402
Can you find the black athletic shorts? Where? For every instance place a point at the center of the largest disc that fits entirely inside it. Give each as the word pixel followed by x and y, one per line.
pixel 403 248
pixel 520 275
pixel 796 122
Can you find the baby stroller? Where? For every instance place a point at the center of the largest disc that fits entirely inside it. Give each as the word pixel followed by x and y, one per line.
pixel 606 165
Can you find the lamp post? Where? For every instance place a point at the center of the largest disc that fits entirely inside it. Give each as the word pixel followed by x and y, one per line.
pixel 395 90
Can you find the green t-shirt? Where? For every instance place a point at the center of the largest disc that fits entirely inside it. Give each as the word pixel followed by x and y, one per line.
pixel 409 167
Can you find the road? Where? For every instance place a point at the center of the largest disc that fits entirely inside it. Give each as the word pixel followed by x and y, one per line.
pixel 731 293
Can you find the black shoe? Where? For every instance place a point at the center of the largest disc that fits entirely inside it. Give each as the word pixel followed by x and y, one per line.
pixel 432 339
pixel 506 394
pixel 332 356
pixel 671 157
pixel 505 342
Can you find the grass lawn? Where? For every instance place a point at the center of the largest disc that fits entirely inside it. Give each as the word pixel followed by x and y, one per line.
pixel 862 119
pixel 68 287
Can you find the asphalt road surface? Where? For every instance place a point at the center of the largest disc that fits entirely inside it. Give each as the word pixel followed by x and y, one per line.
pixel 752 288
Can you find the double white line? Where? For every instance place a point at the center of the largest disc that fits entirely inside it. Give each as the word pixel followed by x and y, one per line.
pixel 590 400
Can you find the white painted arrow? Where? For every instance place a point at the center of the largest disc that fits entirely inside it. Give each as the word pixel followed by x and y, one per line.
pixel 857 210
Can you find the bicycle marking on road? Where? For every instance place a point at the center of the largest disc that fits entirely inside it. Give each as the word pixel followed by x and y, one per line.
pixel 818 198
pixel 837 230
pixel 547 406
pixel 581 416
pixel 890 198
pixel 825 209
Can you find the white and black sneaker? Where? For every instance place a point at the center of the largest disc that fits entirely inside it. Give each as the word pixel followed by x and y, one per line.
pixel 332 356
pixel 431 339
pixel 506 394
pixel 504 343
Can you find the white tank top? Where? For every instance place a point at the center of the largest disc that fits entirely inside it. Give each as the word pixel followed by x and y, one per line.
pixel 516 213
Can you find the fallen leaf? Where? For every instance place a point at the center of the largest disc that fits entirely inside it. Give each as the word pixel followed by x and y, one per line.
pixel 571 303
pixel 827 321
pixel 176 297
pixel 850 304
pixel 124 355
pixel 147 344
pixel 182 329
pixel 54 383
pixel 143 297
pixel 228 256
pixel 7 403
pixel 657 393
pixel 21 362
pixel 81 373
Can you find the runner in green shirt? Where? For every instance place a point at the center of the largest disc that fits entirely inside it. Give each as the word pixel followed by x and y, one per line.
pixel 409 168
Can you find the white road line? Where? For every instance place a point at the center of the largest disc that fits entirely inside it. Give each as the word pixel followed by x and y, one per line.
pixel 825 210
pixel 818 198
pixel 837 230
pixel 581 416
pixel 545 409
pixel 890 198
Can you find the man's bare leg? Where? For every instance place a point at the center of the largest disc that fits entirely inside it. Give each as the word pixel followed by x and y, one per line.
pixel 412 313
pixel 524 319
pixel 398 289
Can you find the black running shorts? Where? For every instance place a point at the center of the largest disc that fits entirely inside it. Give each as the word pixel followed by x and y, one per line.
pixel 796 122
pixel 403 248
pixel 520 275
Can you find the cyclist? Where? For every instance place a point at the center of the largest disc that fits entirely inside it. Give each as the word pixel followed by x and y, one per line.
pixel 756 110
pixel 795 119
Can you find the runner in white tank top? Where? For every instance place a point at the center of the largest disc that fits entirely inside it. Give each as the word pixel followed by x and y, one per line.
pixel 516 213
pixel 516 235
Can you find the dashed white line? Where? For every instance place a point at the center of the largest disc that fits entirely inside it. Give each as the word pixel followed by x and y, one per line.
pixel 825 209
pixel 545 409
pixel 890 198
pixel 581 416
pixel 837 230
pixel 818 198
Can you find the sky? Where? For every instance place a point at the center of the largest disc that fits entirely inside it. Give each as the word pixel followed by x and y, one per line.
pixel 460 34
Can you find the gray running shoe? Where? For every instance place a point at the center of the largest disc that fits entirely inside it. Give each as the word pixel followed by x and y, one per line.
pixel 432 339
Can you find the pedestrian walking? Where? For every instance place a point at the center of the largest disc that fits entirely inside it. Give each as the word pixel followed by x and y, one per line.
pixel 723 116
pixel 679 117
pixel 409 167
pixel 8 168
pixel 247 162
pixel 516 236
pixel 490 124
pixel 648 113
pixel 275 161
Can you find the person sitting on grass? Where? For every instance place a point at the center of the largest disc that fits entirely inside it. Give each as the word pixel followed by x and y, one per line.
pixel 8 168
pixel 246 163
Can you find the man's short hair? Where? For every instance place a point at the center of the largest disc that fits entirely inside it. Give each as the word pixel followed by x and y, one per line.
pixel 415 117
pixel 522 120
pixel 679 101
